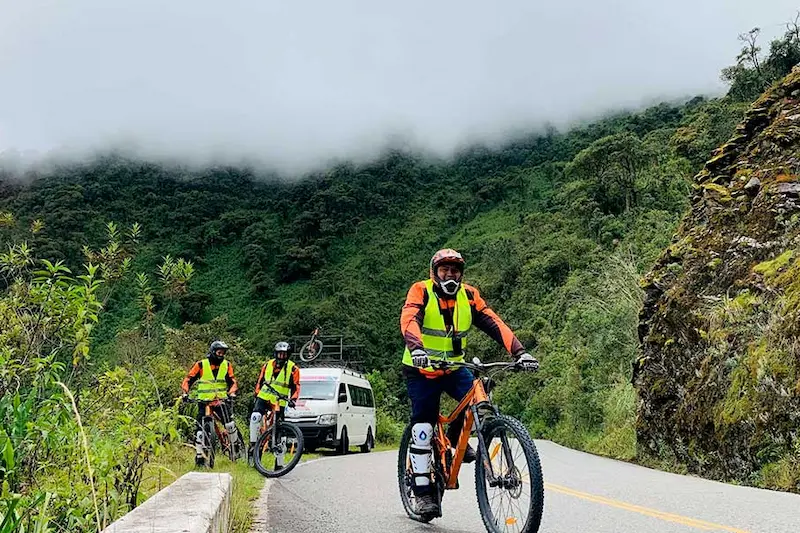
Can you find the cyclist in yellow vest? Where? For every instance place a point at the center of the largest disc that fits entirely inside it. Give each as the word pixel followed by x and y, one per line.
pixel 215 380
pixel 282 375
pixel 434 322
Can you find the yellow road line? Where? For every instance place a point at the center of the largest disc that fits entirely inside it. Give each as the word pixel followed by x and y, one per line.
pixel 669 517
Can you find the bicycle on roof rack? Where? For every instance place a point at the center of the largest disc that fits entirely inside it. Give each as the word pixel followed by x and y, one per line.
pixel 312 348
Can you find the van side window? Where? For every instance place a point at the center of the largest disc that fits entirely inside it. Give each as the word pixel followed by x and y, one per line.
pixel 361 396
pixel 343 391
pixel 370 398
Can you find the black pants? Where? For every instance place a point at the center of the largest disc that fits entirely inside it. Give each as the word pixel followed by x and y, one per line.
pixel 262 406
pixel 425 394
pixel 222 410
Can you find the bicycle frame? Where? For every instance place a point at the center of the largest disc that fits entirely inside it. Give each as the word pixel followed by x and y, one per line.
pixel 217 422
pixel 493 429
pixel 477 395
pixel 269 422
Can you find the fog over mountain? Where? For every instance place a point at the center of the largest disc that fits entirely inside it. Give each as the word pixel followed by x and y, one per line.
pixel 294 84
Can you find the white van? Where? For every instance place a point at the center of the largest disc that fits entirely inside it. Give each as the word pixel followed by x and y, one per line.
pixel 336 409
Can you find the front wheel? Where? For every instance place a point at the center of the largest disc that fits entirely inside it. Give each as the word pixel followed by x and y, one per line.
pixel 310 350
pixel 511 493
pixel 234 448
pixel 344 442
pixel 369 443
pixel 210 444
pixel 275 459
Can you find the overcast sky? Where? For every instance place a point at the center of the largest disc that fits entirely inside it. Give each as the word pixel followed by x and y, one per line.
pixel 293 83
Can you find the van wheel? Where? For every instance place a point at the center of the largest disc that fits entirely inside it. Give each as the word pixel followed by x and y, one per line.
pixel 344 442
pixel 369 443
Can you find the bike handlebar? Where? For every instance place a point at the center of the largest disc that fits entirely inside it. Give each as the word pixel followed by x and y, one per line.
pixel 477 365
pixel 280 396
pixel 230 399
pixel 186 399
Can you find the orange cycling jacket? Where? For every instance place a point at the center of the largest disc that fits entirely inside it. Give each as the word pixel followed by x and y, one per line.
pixel 482 316
pixel 197 370
pixel 294 380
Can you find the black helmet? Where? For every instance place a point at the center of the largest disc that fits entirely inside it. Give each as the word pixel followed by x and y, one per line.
pixel 212 352
pixel 281 351
pixel 217 345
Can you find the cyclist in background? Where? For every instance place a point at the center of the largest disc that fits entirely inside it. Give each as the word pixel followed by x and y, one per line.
pixel 215 380
pixel 284 377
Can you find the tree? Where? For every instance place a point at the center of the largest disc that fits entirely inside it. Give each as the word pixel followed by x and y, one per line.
pixel 612 167
pixel 752 73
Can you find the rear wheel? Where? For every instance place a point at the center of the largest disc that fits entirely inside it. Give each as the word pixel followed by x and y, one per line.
pixel 310 350
pixel 275 459
pixel 511 495
pixel 405 479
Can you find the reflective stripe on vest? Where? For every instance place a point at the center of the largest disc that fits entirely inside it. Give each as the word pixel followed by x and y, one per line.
pixel 436 340
pixel 279 382
pixel 211 387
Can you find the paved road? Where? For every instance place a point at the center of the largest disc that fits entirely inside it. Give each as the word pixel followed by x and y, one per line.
pixel 583 494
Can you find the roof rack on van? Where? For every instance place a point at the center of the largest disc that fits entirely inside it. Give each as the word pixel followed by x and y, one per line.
pixel 354 367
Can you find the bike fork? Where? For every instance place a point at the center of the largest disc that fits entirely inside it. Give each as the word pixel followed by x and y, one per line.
pixel 202 441
pixel 483 451
pixel 277 446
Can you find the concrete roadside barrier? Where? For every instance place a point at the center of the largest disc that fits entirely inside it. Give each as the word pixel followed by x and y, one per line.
pixel 196 502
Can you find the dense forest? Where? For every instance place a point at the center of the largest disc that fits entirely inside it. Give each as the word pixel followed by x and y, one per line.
pixel 116 273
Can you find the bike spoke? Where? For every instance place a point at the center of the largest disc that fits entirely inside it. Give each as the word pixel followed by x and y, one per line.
pixel 274 455
pixel 508 500
pixel 516 512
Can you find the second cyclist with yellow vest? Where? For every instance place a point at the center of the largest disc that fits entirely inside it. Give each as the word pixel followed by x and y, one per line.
pixel 284 377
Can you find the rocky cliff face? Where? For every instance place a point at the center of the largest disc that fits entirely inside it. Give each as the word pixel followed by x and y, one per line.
pixel 719 376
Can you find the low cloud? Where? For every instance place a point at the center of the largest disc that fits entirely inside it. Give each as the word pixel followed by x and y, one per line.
pixel 295 84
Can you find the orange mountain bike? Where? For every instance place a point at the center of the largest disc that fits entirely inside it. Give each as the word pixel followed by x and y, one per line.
pixel 219 430
pixel 280 444
pixel 508 474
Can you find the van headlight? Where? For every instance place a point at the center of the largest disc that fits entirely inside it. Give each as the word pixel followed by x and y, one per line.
pixel 325 420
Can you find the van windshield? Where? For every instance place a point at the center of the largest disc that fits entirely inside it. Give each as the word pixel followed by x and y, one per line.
pixel 317 390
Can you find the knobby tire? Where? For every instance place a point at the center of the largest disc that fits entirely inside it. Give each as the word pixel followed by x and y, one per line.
pixel 535 504
pixel 290 431
pixel 304 351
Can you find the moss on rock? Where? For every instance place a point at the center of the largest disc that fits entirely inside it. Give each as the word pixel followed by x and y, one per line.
pixel 719 374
